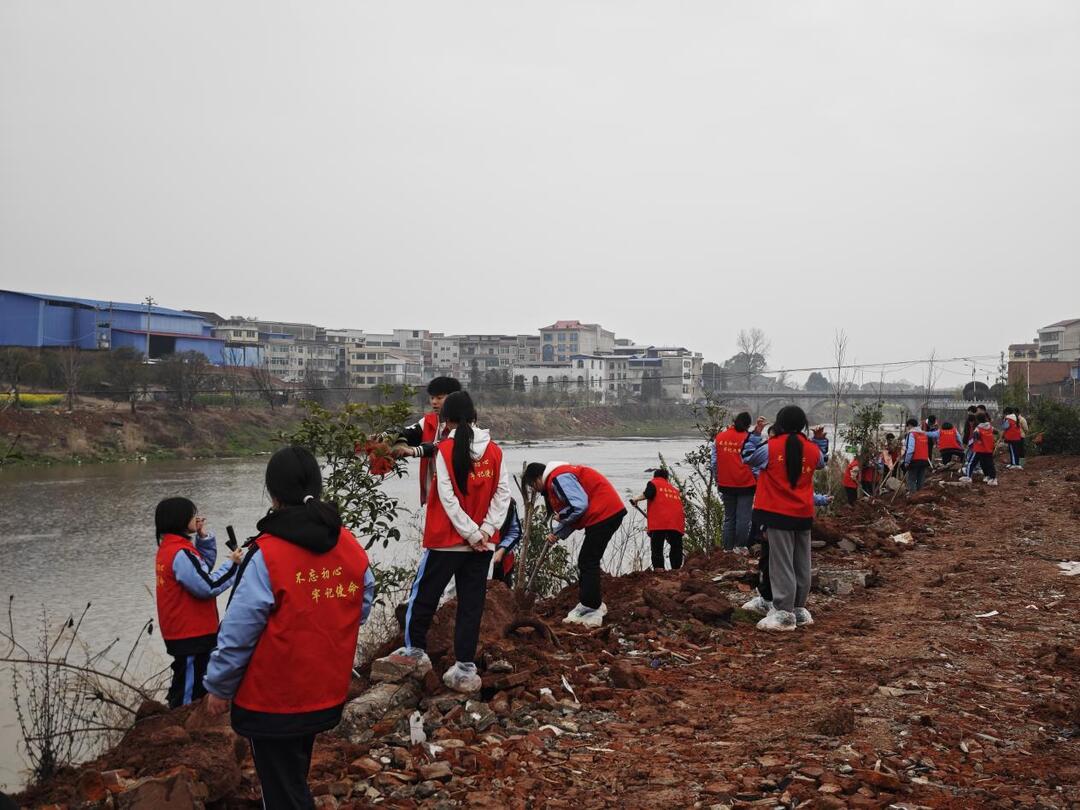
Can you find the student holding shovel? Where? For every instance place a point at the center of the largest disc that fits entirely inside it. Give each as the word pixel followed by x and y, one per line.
pixel 582 498
pixel 665 520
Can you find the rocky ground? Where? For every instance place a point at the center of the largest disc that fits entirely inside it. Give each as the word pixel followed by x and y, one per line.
pixel 939 673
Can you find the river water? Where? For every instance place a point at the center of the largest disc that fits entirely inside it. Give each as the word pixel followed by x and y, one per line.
pixel 78 534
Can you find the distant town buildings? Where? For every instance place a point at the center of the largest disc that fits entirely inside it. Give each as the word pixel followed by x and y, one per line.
pixel 1050 361
pixel 566 356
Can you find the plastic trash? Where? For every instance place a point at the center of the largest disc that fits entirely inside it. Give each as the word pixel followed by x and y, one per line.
pixel 986 615
pixel 1070 568
pixel 566 685
pixel 416 729
pixel 904 539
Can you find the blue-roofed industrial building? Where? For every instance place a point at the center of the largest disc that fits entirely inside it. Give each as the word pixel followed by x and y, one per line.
pixel 43 321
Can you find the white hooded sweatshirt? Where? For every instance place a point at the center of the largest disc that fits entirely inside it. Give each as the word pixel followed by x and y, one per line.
pixel 470 532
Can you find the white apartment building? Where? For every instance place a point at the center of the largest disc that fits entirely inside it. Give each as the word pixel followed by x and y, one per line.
pixel 300 360
pixel 1060 341
pixel 543 375
pixel 445 357
pixel 563 339
pixel 605 376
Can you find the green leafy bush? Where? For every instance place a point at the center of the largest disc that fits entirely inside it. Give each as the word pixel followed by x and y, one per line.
pixel 1055 427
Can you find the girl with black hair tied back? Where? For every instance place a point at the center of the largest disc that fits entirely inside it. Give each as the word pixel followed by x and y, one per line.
pixel 287 643
pixel 784 504
pixel 461 528
pixel 186 594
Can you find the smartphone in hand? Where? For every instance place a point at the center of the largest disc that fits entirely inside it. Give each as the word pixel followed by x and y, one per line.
pixel 231 542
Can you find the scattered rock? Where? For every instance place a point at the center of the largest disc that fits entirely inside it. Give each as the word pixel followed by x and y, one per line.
pixel 362 713
pixel 435 771
pixel 396 668
pixel 624 676
pixel 175 790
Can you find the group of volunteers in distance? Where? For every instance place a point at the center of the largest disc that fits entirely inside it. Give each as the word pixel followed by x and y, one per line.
pixel 282 656
pixel 971 450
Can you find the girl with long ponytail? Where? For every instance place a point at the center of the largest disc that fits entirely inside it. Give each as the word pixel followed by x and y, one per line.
pixel 784 505
pixel 461 528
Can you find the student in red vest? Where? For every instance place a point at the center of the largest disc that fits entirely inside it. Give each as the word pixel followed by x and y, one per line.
pixel 665 519
pixel 851 480
pixel 502 562
pixel 735 481
pixel 461 531
pixel 784 505
pixel 419 440
pixel 1012 427
pixel 582 498
pixel 982 453
pixel 187 592
pixel 917 454
pixel 950 443
pixel 287 643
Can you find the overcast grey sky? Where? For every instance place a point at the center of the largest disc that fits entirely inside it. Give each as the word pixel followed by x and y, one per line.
pixel 908 171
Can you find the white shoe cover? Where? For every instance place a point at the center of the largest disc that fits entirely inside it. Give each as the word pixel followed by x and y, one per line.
pixel 963 479
pixel 586 615
pixel 802 616
pixel 758 605
pixel 462 678
pixel 991 482
pixel 778 620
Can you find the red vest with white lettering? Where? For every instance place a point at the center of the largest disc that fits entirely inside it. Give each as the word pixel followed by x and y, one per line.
pixel 180 614
pixel 304 658
pixel 1013 432
pixel 949 440
pixel 984 440
pixel 604 500
pixel 427 465
pixel 439 532
pixel 730 469
pixel 849 474
pixel 775 494
pixel 921 451
pixel 666 512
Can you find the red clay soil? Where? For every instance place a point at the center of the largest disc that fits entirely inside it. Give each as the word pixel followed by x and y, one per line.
pixel 899 695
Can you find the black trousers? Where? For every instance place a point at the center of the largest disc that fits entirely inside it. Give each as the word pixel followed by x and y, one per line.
pixel 763 586
pixel 469 570
pixel 852 494
pixel 282 764
pixel 506 577
pixel 187 679
pixel 592 551
pixel 657 540
pixel 948 455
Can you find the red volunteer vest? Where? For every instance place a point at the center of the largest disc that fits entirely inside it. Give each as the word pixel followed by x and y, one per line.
pixel 774 493
pixel 427 465
pixel 303 660
pixel 849 475
pixel 949 440
pixel 730 469
pixel 666 512
pixel 483 481
pixel 180 614
pixel 604 500
pixel 1013 432
pixel 984 440
pixel 922 446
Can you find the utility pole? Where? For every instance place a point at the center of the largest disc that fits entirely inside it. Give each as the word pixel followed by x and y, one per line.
pixel 149 305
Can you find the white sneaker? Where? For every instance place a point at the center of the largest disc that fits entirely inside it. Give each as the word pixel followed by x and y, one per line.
pixel 462 678
pixel 758 605
pixel 963 479
pixel 991 482
pixel 741 551
pixel 778 620
pixel 591 617
pixel 802 616
pixel 423 663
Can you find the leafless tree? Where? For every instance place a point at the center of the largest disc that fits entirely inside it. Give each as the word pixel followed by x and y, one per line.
pixel 185 375
pixel 263 381
pixel 841 384
pixel 15 363
pixel 754 348
pixel 71 368
pixel 931 377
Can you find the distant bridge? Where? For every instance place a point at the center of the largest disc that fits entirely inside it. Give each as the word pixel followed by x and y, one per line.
pixel 819 403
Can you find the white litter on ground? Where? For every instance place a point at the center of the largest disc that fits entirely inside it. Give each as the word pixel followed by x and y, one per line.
pixel 1070 568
